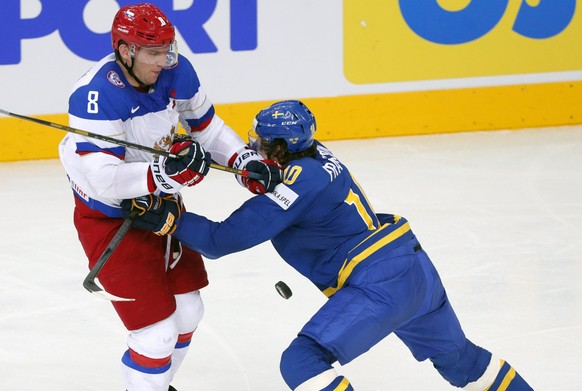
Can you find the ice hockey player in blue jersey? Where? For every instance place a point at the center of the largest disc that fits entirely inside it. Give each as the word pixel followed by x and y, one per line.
pixel 371 266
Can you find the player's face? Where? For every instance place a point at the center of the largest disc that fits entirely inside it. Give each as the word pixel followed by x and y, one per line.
pixel 255 143
pixel 149 62
pixel 260 149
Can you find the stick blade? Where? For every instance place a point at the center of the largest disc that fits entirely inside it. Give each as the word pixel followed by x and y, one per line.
pixel 95 289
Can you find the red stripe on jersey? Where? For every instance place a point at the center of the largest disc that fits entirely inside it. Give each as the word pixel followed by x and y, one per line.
pixel 202 126
pixel 232 159
pixel 83 153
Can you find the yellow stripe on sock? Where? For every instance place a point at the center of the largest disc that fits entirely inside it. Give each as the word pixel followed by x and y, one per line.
pixel 507 380
pixel 343 386
pixel 501 362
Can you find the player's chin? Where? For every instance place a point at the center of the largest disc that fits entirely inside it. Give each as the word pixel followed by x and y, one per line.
pixel 153 78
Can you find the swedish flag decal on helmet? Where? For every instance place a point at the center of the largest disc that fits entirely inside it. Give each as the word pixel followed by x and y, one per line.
pixel 289 120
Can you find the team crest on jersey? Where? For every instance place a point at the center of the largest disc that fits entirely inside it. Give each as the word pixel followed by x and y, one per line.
pixel 166 141
pixel 114 79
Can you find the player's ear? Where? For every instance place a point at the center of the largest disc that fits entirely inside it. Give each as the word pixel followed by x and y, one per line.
pixel 124 52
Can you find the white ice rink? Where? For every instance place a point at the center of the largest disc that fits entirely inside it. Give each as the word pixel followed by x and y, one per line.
pixel 500 214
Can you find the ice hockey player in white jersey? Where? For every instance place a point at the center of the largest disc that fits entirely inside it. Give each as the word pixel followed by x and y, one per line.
pixel 139 94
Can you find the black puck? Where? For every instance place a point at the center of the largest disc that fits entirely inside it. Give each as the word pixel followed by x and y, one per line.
pixel 283 290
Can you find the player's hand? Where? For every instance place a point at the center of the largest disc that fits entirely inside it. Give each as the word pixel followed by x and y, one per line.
pixel 193 164
pixel 179 137
pixel 271 171
pixel 154 213
pixel 272 174
pixel 171 174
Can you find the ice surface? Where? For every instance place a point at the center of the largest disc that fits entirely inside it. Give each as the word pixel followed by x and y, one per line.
pixel 500 213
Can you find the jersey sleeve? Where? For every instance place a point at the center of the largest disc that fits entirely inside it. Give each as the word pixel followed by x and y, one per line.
pixel 259 219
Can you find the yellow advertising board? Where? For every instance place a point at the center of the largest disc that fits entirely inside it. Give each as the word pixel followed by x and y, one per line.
pixel 419 40
pixel 384 41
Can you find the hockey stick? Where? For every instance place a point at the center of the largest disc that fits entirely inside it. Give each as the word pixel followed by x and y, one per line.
pixel 244 173
pixel 89 281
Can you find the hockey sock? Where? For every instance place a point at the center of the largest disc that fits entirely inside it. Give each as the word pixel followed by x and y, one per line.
pixel 499 376
pixel 180 351
pixel 326 381
pixel 340 383
pixel 142 373
pixel 508 380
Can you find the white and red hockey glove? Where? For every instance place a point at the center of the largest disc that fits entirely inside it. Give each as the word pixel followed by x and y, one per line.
pixel 169 175
pixel 272 175
pixel 249 160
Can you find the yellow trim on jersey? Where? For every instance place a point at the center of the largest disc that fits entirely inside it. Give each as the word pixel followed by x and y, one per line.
pixel 363 193
pixel 349 265
pixel 396 220
pixel 354 199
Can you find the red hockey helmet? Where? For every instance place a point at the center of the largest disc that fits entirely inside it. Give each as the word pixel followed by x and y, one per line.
pixel 144 25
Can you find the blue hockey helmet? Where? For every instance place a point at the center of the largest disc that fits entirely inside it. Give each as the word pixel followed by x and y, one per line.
pixel 289 120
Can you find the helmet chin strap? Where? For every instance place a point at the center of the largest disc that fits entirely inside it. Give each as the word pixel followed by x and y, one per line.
pixel 129 70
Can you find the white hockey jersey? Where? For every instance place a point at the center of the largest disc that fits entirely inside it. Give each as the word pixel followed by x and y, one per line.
pixel 102 174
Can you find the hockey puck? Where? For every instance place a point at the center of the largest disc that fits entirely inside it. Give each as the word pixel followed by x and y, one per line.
pixel 283 290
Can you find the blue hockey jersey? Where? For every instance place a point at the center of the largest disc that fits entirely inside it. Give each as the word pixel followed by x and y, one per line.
pixel 319 221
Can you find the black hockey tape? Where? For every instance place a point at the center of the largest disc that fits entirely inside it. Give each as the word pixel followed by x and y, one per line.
pixel 283 290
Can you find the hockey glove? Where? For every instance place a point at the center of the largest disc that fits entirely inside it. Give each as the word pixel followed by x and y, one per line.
pixel 272 172
pixel 170 174
pixel 179 137
pixel 154 213
pixel 272 175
